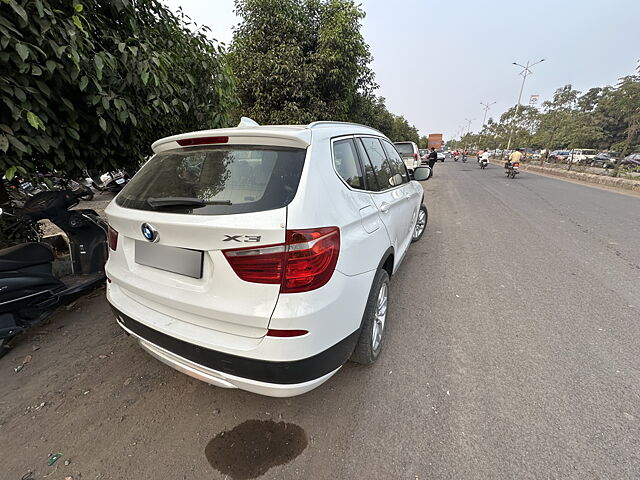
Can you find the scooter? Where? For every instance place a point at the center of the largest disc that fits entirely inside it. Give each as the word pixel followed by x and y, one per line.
pixel 455 157
pixel 108 182
pixel 483 163
pixel 30 291
pixel 464 158
pixel 512 169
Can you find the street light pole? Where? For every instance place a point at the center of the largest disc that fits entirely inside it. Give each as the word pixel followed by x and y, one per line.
pixel 526 70
pixel 486 108
pixel 469 121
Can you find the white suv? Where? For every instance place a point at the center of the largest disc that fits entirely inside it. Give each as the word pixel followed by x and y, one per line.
pixel 259 257
pixel 410 154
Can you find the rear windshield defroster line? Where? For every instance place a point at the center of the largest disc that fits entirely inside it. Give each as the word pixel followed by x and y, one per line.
pixel 216 180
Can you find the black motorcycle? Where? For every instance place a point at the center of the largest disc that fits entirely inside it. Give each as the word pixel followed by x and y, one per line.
pixel 29 289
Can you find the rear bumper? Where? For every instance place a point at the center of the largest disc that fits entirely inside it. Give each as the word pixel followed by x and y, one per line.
pixel 276 379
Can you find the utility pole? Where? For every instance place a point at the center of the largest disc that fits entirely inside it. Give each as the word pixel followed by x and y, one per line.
pixel 469 121
pixel 526 70
pixel 486 108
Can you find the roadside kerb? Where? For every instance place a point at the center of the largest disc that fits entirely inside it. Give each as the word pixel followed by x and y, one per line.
pixel 604 180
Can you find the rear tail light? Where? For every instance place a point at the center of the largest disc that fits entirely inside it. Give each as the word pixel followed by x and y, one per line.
pixel 112 237
pixel 415 156
pixel 516 164
pixel 305 261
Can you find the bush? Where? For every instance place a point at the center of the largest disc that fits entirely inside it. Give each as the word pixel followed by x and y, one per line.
pixel 93 84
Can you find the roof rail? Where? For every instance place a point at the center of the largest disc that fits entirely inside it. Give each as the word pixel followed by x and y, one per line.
pixel 330 122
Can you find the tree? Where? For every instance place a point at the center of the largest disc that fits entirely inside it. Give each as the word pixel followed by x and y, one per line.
pixel 93 84
pixel 299 61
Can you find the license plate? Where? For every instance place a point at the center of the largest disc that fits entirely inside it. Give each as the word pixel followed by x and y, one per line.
pixel 182 261
pixel 120 181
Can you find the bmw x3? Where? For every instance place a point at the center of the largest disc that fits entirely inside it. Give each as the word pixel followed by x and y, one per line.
pixel 259 257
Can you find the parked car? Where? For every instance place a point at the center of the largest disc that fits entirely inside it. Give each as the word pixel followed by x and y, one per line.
pixel 441 156
pixel 582 155
pixel 631 160
pixel 259 257
pixel 424 153
pixel 410 155
pixel 559 155
pixel 605 159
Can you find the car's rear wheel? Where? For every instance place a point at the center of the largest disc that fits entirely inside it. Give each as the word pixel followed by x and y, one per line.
pixel 374 321
pixel 421 224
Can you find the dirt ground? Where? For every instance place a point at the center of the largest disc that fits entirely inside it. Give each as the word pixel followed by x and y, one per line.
pixel 89 392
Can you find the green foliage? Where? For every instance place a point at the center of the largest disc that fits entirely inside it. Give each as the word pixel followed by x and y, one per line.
pixel 300 61
pixel 93 84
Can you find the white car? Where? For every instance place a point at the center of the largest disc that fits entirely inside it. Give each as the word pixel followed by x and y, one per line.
pixel 259 257
pixel 582 155
pixel 410 154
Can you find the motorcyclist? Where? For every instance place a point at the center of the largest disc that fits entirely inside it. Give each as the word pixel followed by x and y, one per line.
pixel 515 157
pixel 485 156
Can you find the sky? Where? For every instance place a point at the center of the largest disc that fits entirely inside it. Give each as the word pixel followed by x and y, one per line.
pixel 435 61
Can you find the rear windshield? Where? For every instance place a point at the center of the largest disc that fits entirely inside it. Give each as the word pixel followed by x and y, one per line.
pixel 218 180
pixel 404 148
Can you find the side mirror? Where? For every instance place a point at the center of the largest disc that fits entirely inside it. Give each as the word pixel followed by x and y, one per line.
pixel 421 174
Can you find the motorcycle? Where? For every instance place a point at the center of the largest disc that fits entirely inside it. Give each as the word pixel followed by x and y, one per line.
pixel 512 169
pixel 30 291
pixel 455 157
pixel 483 163
pixel 464 158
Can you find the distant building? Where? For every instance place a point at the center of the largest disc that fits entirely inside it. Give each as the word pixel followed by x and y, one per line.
pixel 435 141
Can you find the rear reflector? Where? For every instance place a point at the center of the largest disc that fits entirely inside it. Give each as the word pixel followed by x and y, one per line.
pixel 189 142
pixel 112 238
pixel 305 261
pixel 286 333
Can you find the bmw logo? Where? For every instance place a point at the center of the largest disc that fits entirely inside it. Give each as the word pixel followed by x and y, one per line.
pixel 149 232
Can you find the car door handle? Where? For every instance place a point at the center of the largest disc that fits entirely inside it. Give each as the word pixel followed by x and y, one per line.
pixel 407 196
pixel 384 208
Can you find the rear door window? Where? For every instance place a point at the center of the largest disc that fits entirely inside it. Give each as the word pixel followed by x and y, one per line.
pixel 217 180
pixel 397 165
pixel 381 167
pixel 345 159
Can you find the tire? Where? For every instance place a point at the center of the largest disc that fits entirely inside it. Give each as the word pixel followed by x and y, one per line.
pixel 371 338
pixel 423 217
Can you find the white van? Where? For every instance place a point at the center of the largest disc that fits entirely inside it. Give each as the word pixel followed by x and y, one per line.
pixel 582 155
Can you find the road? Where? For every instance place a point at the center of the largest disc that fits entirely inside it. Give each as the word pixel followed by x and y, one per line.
pixel 511 352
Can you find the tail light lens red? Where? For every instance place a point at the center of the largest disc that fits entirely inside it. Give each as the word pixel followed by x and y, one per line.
pixel 112 238
pixel 516 164
pixel 190 142
pixel 305 261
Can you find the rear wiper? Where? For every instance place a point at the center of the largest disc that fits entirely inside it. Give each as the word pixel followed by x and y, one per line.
pixel 183 202
pixel 176 202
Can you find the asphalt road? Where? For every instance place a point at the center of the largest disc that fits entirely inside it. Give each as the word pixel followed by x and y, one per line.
pixel 511 352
